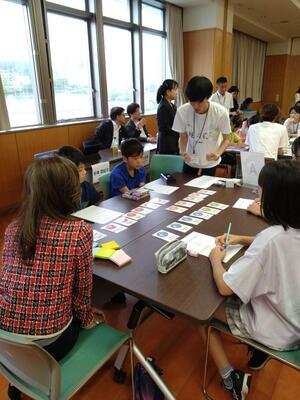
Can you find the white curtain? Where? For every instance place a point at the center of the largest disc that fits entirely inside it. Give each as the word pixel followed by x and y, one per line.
pixel 248 65
pixel 4 120
pixel 175 47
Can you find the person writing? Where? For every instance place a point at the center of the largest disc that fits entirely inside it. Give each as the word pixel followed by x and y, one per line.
pixel 200 123
pixel 167 137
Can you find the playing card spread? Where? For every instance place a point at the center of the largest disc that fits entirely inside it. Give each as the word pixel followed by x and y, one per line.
pixel 142 210
pixel 184 204
pixel 220 206
pixel 210 210
pixel 208 192
pixel 126 221
pixel 201 214
pixel 159 201
pixel 116 228
pixel 165 235
pixel 151 205
pixel 134 215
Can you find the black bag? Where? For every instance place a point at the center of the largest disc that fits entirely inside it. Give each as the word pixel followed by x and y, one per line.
pixel 145 387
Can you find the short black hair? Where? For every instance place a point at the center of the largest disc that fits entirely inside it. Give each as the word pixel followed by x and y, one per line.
pixel 233 89
pixel 221 80
pixel 72 153
pixel 296 146
pixel 131 108
pixel 115 111
pixel 236 121
pixel 131 148
pixel 280 199
pixel 297 108
pixel 269 112
pixel 198 88
pixel 246 102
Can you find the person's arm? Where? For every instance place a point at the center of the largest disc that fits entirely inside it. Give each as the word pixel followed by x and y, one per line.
pixel 255 208
pixel 118 182
pixel 142 176
pixel 131 131
pixel 284 141
pixel 216 257
pixel 106 134
pixel 215 156
pixel 163 119
pixel 183 139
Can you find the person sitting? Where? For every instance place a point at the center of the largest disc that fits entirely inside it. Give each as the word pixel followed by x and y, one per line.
pixel 111 132
pixel 262 286
pixel 221 96
pixel 245 106
pixel 46 275
pixel 130 174
pixel 268 137
pixel 234 139
pixel 292 123
pixel 234 90
pixel 136 126
pixel 89 195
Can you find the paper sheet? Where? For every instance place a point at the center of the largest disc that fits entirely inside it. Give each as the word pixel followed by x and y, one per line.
pixel 203 244
pixel 99 215
pixel 163 189
pixel 99 169
pixel 203 182
pixel 243 203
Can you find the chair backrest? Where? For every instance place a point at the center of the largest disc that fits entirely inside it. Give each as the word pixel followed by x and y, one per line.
pixel 104 181
pixel 29 367
pixel 49 153
pixel 165 163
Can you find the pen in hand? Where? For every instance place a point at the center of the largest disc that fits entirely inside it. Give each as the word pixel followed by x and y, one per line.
pixel 227 236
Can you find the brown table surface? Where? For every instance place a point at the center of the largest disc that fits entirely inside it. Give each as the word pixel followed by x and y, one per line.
pixel 189 289
pixel 107 154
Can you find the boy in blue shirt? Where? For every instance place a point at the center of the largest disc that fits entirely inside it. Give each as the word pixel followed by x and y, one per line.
pixel 130 174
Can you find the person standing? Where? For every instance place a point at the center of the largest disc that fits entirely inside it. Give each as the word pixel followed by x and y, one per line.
pixel 167 137
pixel 204 128
pixel 223 97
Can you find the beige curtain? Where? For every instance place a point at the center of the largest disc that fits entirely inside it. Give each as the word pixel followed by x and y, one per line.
pixel 4 120
pixel 175 47
pixel 248 65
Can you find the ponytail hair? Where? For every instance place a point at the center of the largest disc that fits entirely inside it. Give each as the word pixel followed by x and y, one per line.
pixel 168 84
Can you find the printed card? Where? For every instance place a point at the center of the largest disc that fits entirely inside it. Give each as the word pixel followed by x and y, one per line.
pixel 165 235
pixel 220 206
pixel 142 210
pixel 112 227
pixel 210 210
pixel 201 214
pixel 176 209
pixel 134 215
pixel 151 205
pixel 159 201
pixel 190 220
pixel 208 192
pixel 126 221
pixel 177 226
pixel 184 204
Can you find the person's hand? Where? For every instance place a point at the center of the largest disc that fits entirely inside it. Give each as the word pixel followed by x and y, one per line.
pixel 212 156
pixel 99 318
pixel 233 239
pixel 141 123
pixel 151 139
pixel 217 254
pixel 254 208
pixel 186 157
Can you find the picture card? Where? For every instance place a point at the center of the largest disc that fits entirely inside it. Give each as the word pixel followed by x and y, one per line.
pixel 183 203
pixel 165 235
pixel 194 199
pixel 190 220
pixel 142 210
pixel 151 205
pixel 125 221
pixel 134 215
pixel 220 206
pixel 112 227
pixel 207 192
pixel 176 209
pixel 243 203
pixel 210 210
pixel 201 214
pixel 159 201
pixel 177 226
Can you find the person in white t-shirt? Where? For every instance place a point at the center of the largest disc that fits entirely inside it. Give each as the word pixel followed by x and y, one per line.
pixel 265 280
pixel 223 97
pixel 204 129
pixel 292 123
pixel 268 137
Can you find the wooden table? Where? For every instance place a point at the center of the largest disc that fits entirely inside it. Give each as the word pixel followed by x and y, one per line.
pixel 107 154
pixel 188 290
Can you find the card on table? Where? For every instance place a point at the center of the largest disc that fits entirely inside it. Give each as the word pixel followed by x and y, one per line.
pixel 126 221
pixel 176 209
pixel 220 206
pixel 194 199
pixel 177 226
pixel 112 227
pixel 210 210
pixel 142 210
pixel 134 215
pixel 190 220
pixel 201 214
pixel 159 201
pixel 165 235
pixel 152 205
pixel 184 204
pixel 207 192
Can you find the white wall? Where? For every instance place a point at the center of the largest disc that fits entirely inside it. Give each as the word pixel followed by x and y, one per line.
pixel 291 47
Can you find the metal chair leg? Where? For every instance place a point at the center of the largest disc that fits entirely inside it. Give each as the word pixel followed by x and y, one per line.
pixel 132 368
pixel 205 392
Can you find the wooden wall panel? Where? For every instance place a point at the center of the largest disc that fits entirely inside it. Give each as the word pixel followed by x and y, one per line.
pixel 218 55
pixel 78 133
pixel 274 79
pixel 151 124
pixel 10 172
pixel 291 83
pixel 37 141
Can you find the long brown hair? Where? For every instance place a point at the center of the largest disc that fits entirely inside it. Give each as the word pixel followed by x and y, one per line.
pixel 51 188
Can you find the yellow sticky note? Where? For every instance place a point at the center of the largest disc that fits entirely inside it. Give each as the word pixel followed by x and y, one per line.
pixel 111 245
pixel 100 252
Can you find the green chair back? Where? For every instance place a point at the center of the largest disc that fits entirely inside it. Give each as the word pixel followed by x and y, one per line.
pixel 165 163
pixel 32 370
pixel 104 181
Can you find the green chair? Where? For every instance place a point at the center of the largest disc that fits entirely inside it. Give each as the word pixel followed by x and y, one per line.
pixel 164 163
pixel 35 372
pixel 290 358
pixel 104 181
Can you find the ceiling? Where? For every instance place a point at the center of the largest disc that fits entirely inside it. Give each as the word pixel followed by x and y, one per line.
pixel 269 20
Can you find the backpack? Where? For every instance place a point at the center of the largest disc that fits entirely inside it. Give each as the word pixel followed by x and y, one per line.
pixel 145 387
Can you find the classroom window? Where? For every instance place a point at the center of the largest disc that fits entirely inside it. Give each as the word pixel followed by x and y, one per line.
pixel 78 4
pixel 152 17
pixel 119 74
pixel 117 9
pixel 17 66
pixel 154 68
pixel 70 60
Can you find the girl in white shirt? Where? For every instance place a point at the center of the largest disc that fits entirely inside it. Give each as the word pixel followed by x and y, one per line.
pixel 266 280
pixel 292 124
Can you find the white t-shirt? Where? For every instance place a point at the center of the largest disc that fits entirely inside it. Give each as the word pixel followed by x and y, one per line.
pixel 143 134
pixel 293 129
pixel 267 137
pixel 225 101
pixel 267 280
pixel 203 132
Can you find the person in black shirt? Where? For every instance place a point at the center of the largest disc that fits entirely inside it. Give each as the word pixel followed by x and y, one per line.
pixel 234 90
pixel 136 126
pixel 167 138
pixel 112 129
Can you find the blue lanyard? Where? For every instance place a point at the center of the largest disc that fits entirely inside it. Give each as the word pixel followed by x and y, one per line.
pixel 201 133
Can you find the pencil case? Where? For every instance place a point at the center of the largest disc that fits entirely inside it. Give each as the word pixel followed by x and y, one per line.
pixel 170 255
